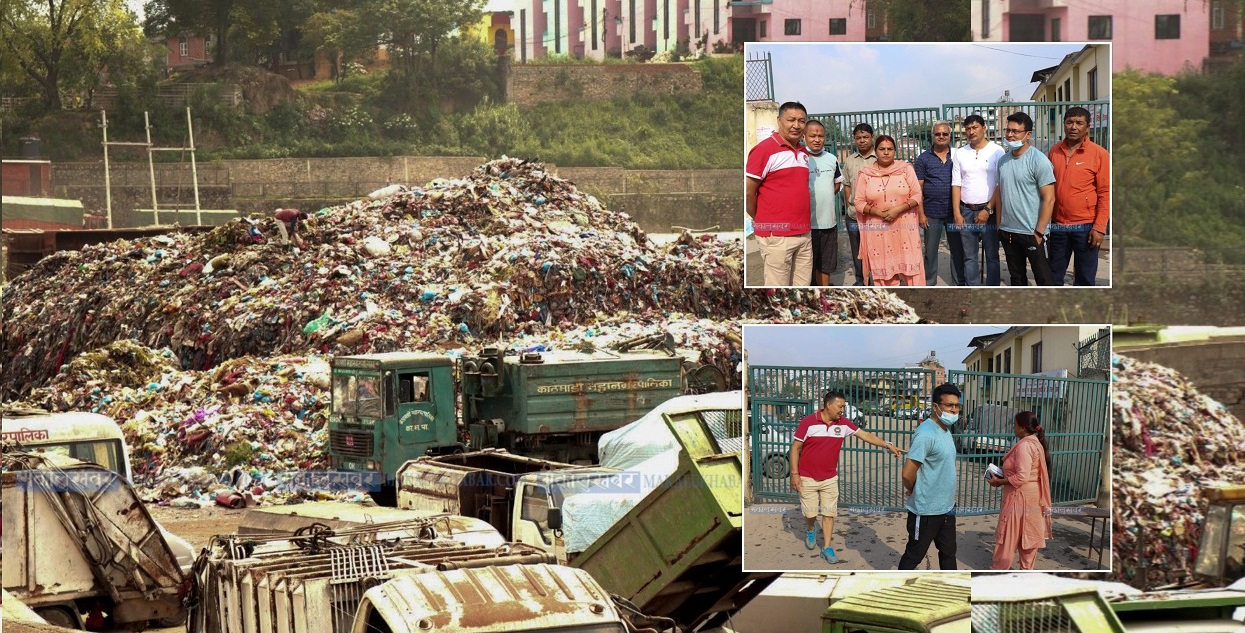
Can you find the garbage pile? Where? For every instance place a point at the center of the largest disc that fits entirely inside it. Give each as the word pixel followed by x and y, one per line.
pixel 1170 441
pixel 509 250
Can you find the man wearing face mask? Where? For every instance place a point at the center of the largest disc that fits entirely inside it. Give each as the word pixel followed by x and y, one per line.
pixel 929 479
pixel 824 182
pixel 1025 197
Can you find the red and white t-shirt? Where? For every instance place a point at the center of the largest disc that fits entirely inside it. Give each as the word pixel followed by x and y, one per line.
pixel 819 457
pixel 782 202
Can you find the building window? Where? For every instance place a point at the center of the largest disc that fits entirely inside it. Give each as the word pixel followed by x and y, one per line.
pixel 985 19
pixel 557 27
pixel 1007 361
pixel 594 25
pixel 1067 89
pixel 1059 93
pixel 1037 358
pixel 871 21
pixel 838 26
pixel 665 21
pixel 764 28
pixel 183 47
pixel 1056 30
pixel 1167 27
pixel 717 17
pixel 1091 78
pixel 696 32
pixel 791 27
pixel 1216 15
pixel 632 21
pixel 1099 27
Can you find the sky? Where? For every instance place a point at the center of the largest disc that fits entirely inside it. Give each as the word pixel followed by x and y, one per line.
pixel 863 346
pixel 854 77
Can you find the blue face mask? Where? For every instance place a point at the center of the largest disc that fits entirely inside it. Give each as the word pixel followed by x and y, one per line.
pixel 949 419
pixel 1012 146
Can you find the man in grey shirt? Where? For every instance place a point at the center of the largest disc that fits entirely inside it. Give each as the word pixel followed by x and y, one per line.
pixel 862 136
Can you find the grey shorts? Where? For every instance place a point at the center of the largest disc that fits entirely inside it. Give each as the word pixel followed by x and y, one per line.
pixel 826 250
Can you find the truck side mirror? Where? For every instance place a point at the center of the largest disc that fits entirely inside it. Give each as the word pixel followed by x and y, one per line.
pixel 554 518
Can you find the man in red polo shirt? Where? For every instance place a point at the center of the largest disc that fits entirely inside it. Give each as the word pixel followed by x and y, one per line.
pixel 778 201
pixel 1082 200
pixel 815 466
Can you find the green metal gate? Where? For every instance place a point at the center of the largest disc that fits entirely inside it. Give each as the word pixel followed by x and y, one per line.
pixel 886 402
pixel 891 403
pixel 1075 413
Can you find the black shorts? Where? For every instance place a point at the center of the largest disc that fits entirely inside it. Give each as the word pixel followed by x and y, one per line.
pixel 826 250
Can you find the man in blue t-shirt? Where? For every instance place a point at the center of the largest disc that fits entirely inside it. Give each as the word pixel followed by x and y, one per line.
pixel 824 182
pixel 929 479
pixel 1026 186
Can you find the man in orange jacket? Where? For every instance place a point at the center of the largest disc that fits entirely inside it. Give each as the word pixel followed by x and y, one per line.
pixel 1082 200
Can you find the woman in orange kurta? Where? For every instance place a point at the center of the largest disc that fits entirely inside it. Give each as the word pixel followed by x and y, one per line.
pixel 1024 521
pixel 888 203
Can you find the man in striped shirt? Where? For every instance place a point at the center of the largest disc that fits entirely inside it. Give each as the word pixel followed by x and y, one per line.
pixel 778 200
pixel 815 466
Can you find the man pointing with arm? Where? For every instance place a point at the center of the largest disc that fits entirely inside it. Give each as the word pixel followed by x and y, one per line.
pixel 815 463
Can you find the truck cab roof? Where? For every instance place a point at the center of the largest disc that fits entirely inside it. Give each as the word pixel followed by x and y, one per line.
pixel 925 606
pixel 496 598
pixel 390 360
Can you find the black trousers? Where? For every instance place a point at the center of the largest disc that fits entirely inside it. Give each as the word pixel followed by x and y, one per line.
pixel 1021 249
pixel 938 529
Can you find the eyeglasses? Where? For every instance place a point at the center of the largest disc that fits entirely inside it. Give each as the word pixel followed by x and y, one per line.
pixel 954 407
pixel 1016 132
pixel 942 134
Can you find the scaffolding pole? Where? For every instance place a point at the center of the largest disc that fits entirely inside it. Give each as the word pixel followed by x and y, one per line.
pixel 151 167
pixel 194 170
pixel 107 178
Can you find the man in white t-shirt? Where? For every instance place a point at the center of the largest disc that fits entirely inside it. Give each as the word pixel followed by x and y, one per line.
pixel 973 178
pixel 824 182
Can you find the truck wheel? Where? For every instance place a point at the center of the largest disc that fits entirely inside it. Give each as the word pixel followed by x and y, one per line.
pixel 386 497
pixel 60 616
pixel 776 466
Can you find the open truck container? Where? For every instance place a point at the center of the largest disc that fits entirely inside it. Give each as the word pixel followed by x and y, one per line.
pixel 77 536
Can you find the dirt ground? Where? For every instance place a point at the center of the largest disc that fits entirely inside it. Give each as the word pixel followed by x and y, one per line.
pixel 198 526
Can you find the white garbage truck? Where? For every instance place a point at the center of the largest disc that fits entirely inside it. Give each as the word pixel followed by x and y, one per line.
pixel 363 580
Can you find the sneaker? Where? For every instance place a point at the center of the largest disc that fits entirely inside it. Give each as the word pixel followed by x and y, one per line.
pixel 810 541
pixel 828 555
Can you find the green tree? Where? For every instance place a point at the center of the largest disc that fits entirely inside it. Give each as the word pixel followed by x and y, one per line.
pixel 338 31
pixel 415 29
pixel 1155 148
pixel 63 44
pixel 250 25
pixel 926 20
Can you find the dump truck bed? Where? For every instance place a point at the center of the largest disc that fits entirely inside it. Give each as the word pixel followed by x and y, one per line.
pixel 678 553
pixel 476 484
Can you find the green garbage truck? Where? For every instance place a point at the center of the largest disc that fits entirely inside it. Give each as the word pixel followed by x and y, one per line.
pixel 390 408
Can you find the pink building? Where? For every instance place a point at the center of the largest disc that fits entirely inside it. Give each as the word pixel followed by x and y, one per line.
pixel 187 51
pixel 798 21
pixel 1160 36
pixel 599 28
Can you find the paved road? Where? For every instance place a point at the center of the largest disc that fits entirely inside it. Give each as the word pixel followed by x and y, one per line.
pixel 774 540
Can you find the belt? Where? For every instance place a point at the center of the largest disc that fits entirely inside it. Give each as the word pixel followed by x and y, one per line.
pixel 975 207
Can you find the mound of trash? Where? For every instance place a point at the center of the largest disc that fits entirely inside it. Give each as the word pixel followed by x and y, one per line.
pixel 508 251
pixel 1170 443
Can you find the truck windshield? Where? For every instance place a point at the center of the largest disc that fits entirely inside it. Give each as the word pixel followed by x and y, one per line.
pixel 564 490
pixel 358 395
pixel 106 453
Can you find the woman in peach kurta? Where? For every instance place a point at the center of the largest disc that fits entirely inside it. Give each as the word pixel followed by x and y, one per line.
pixel 888 205
pixel 1024 521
